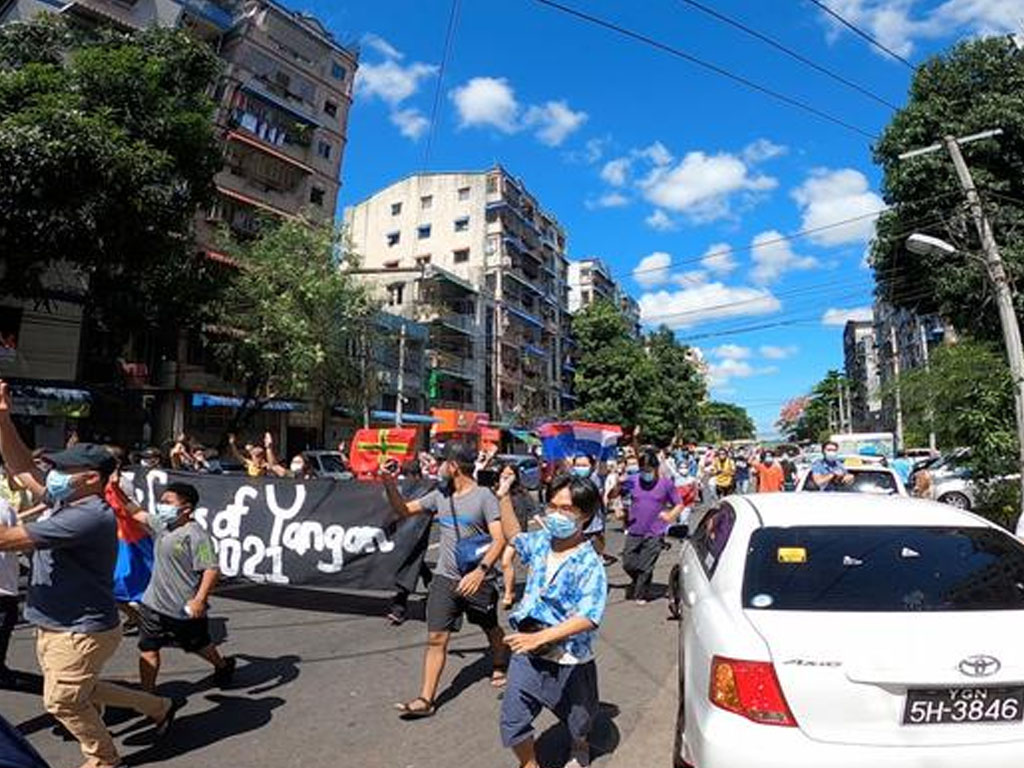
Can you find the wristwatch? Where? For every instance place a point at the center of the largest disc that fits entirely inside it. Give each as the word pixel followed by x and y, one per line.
pixel 484 567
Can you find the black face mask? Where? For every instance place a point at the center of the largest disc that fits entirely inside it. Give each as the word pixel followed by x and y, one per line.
pixel 445 481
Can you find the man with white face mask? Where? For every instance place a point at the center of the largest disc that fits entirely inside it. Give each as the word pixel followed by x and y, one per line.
pixel 828 472
pixel 71 593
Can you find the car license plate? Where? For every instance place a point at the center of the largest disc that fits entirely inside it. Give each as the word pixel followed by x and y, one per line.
pixel 941 706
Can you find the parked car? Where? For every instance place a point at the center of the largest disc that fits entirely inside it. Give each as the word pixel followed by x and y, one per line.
pixel 329 464
pixel 951 481
pixel 835 635
pixel 529 468
pixel 871 479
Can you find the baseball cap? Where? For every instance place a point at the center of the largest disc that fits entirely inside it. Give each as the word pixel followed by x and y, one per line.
pixel 84 456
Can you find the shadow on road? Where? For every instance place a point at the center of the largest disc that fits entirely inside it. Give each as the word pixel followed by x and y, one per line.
pixel 553 745
pixel 322 600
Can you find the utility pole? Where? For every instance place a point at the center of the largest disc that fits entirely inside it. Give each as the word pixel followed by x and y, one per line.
pixel 842 409
pixel 896 379
pixel 1004 297
pixel 932 443
pixel 401 376
pixel 363 366
pixel 849 409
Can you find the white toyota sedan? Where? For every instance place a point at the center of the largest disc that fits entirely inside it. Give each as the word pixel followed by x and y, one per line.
pixel 849 631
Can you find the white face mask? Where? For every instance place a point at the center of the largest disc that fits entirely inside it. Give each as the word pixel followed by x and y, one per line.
pixel 831 455
pixel 297 466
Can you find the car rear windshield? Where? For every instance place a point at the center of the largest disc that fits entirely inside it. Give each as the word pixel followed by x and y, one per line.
pixel 884 569
pixel 330 462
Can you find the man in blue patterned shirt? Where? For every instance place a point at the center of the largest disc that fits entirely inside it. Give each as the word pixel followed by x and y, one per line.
pixel 556 622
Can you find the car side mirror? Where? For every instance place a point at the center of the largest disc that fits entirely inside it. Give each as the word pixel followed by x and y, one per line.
pixel 679 531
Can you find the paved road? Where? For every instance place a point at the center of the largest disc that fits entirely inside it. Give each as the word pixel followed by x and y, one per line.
pixel 318 673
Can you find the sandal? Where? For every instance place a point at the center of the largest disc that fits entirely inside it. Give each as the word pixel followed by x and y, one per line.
pixel 499 677
pixel 416 709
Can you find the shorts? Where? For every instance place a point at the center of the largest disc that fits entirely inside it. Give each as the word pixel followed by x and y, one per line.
pixel 445 606
pixel 158 630
pixel 568 690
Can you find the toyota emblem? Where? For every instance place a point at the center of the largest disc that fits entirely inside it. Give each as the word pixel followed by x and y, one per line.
pixel 979 666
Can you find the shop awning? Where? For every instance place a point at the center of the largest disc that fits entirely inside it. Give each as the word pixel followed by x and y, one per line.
pixel 407 418
pixel 204 400
pixel 31 400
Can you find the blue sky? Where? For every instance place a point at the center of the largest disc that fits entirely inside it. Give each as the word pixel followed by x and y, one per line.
pixel 683 182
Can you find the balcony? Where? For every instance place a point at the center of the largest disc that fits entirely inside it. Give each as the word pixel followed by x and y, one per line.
pixel 523 317
pixel 214 14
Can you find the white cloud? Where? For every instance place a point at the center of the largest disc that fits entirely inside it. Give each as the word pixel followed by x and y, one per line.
pixel 591 152
pixel 394 83
pixel 487 101
pixel 657 153
pixel 841 316
pixel 732 352
pixel 706 301
pixel 721 373
pixel 382 46
pixel 391 81
pixel 769 352
pixel 616 172
pixel 554 121
pixel 690 279
pixel 897 24
pixel 411 122
pixel 773 256
pixel 701 185
pixel 653 270
pixel 761 150
pixel 608 200
pixel 718 258
pixel 660 221
pixel 829 197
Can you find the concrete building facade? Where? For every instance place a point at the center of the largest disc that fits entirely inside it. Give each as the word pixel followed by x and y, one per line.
pixel 591 280
pixel 473 255
pixel 860 353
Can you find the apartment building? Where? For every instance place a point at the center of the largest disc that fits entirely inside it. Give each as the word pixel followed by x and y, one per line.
pixel 282 113
pixel 860 352
pixel 591 280
pixel 473 255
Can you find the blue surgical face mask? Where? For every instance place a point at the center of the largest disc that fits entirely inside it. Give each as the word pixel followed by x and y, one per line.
pixel 632 470
pixel 647 477
pixel 581 471
pixel 58 485
pixel 167 513
pixel 561 525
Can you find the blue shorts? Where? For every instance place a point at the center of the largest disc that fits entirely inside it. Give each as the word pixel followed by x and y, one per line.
pixel 568 690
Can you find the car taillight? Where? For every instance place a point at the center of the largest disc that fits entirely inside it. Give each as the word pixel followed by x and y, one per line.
pixel 750 689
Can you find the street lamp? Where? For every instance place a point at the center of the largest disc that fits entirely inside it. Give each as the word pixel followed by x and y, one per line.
pixel 926 245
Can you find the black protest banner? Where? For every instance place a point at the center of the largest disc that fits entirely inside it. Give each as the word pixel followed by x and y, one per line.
pixel 330 533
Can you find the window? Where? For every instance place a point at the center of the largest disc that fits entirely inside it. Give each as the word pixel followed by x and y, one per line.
pixel 393 238
pixel 316 196
pixel 586 297
pixel 331 108
pixel 323 149
pixel 461 256
pixel 464 193
pixel 391 264
pixel 462 225
pixel 890 569
pixel 711 536
pixel 396 209
pixel 492 184
pixel 423 231
pixel 396 292
pixel 338 72
pixel 426 202
pixel 422 261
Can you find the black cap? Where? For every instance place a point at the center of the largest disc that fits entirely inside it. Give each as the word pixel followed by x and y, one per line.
pixel 84 456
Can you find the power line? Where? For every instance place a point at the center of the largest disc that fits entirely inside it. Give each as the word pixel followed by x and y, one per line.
pixel 858 31
pixel 789 52
pixel 678 53
pixel 449 39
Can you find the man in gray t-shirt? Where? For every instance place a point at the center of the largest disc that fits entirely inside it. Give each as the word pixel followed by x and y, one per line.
pixel 71 592
pixel 185 571
pixel 452 593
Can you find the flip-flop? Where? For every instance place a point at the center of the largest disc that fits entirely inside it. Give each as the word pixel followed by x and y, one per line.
pixel 409 711
pixel 499 678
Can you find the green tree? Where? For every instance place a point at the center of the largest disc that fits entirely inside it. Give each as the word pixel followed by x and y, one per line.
pixel 815 422
pixel 107 148
pixel 672 406
pixel 978 85
pixel 614 376
pixel 726 421
pixel 294 323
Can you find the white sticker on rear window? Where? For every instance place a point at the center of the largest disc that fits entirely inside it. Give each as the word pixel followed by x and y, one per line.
pixel 762 601
pixel 908 552
pixel 852 562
